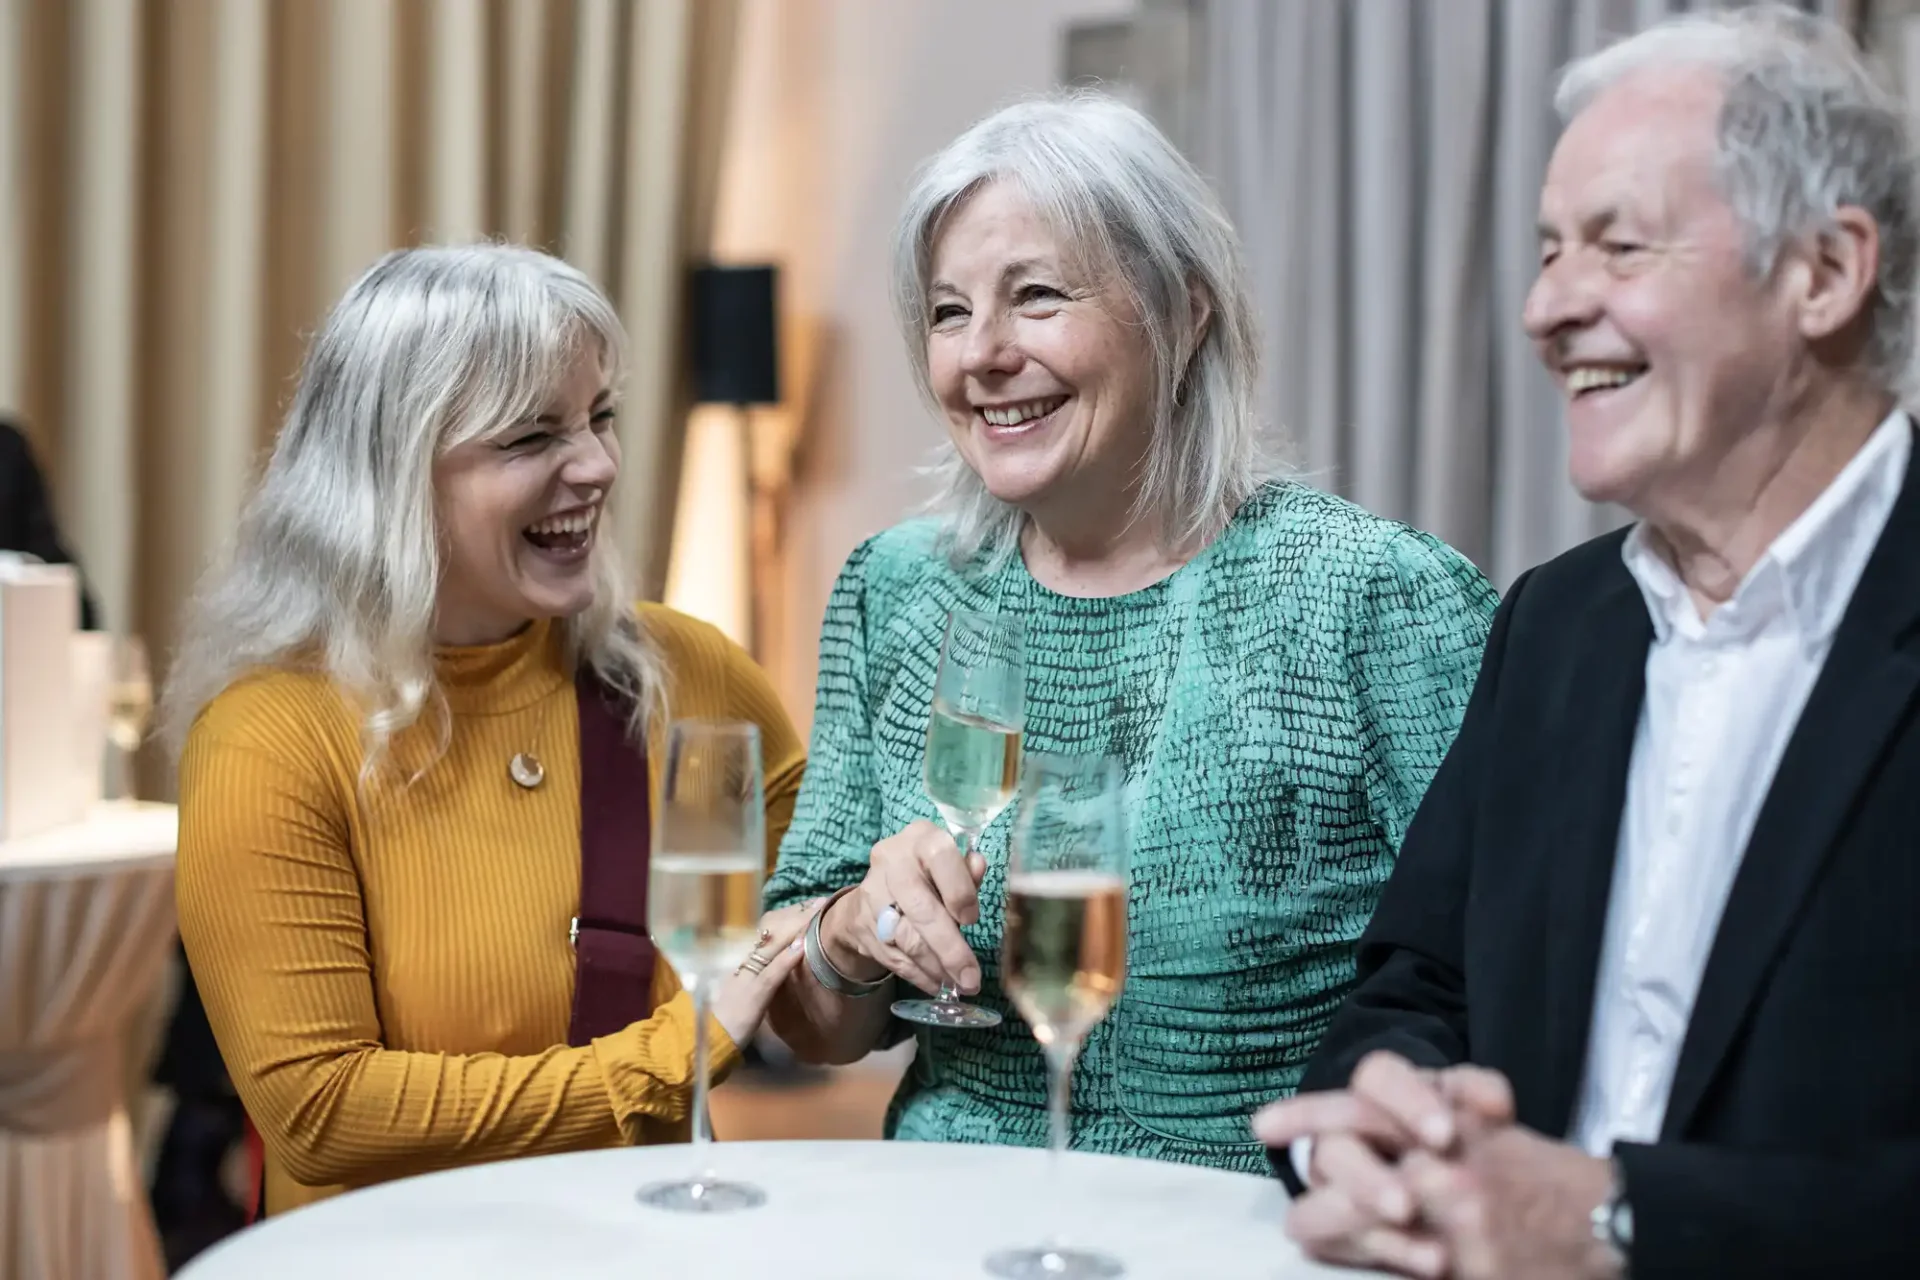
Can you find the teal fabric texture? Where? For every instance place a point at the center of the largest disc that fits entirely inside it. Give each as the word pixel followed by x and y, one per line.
pixel 1279 704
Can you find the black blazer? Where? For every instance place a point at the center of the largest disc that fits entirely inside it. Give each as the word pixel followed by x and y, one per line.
pixel 26 514
pixel 1791 1144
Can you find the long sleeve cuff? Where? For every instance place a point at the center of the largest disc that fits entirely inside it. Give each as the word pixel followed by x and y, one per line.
pixel 648 1066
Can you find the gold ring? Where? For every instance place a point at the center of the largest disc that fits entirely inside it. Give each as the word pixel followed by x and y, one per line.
pixel 754 962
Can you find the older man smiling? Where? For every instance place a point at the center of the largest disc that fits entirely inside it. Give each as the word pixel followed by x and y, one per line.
pixel 1643 992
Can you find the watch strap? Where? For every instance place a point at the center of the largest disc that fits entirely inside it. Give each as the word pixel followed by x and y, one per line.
pixel 1612 1218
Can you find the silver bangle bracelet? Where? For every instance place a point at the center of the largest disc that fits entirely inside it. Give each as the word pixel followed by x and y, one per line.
pixel 823 971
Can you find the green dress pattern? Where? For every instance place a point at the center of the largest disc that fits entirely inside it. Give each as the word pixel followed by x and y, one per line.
pixel 1279 703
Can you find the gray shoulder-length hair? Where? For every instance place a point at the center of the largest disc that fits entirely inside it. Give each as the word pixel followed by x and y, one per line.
pixel 337 562
pixel 1804 129
pixel 1126 206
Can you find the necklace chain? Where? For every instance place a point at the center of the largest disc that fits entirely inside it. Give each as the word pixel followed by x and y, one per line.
pixel 525 768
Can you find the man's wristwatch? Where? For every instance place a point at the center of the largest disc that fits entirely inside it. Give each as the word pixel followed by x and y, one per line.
pixel 1613 1218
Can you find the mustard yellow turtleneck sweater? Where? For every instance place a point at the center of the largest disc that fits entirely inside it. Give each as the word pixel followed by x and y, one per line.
pixel 391 982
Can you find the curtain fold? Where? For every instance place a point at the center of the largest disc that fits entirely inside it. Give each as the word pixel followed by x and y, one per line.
pixel 188 185
pixel 652 227
pixel 13 210
pixel 1382 160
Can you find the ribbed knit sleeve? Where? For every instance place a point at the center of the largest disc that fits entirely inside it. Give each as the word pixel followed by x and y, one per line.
pixel 351 964
pixel 274 925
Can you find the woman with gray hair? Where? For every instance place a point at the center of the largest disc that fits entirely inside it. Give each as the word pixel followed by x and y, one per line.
pixel 415 711
pixel 1278 672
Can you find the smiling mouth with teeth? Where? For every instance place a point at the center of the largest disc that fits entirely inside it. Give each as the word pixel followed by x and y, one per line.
pixel 1018 415
pixel 563 534
pixel 1584 379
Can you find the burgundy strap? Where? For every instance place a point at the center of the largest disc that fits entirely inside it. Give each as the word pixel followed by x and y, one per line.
pixel 613 956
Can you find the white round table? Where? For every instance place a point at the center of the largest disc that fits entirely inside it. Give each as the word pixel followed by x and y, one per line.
pixel 86 925
pixel 834 1210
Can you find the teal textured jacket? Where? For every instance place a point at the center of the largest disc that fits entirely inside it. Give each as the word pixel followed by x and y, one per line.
pixel 1279 703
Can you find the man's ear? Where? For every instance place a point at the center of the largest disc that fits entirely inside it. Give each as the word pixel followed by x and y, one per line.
pixel 1839 270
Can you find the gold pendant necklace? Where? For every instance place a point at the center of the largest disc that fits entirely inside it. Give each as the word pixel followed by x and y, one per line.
pixel 525 767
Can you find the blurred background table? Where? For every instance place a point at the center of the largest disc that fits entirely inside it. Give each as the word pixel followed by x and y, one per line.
pixel 845 1210
pixel 86 928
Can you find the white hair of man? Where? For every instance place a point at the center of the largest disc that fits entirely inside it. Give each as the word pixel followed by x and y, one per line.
pixel 1805 129
pixel 337 562
pixel 1126 206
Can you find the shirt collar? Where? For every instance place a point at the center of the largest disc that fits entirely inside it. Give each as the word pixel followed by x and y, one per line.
pixel 1660 586
pixel 1814 563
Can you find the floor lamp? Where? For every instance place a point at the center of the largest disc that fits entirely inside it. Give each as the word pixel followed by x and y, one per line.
pixel 736 363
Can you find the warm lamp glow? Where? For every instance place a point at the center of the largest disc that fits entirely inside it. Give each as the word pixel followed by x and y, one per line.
pixel 707 573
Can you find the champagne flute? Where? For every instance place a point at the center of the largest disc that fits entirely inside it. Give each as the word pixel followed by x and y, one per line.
pixel 1063 954
pixel 703 907
pixel 972 762
pixel 129 707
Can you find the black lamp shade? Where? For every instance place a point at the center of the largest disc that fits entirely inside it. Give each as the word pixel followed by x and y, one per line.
pixel 735 352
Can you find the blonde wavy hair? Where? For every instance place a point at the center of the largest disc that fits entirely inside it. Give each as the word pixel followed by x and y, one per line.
pixel 336 565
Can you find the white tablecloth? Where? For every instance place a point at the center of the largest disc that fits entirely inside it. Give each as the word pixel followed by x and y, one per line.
pixel 86 923
pixel 838 1210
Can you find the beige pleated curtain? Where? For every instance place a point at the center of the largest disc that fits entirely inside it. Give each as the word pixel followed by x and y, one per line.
pixel 1383 160
pixel 185 185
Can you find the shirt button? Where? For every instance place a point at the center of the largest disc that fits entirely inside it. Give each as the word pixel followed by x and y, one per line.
pixel 1709 666
pixel 1673 824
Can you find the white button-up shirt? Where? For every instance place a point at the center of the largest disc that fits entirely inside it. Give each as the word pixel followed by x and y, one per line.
pixel 1723 696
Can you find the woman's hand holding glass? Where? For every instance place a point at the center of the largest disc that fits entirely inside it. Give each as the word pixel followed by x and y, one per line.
pixel 976 730
pixel 933 892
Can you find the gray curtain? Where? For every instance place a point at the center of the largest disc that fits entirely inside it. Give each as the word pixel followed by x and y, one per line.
pixel 1382 159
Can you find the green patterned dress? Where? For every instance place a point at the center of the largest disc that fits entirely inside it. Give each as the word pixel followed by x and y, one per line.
pixel 1280 704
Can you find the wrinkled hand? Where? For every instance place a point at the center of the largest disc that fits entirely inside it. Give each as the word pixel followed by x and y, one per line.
pixel 1515 1204
pixel 921 873
pixel 1360 1210
pixel 741 999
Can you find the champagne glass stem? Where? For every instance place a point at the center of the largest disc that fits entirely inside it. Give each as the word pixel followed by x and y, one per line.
pixel 963 840
pixel 119 770
pixel 1060 1058
pixel 702 997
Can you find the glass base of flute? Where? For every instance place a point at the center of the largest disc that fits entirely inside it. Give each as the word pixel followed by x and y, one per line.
pixel 703 1194
pixel 947 1008
pixel 705 1191
pixel 1049 1262
pixel 1055 1260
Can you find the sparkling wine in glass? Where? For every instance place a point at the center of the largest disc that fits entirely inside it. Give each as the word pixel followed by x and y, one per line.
pixel 129 707
pixel 972 764
pixel 703 907
pixel 1063 952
